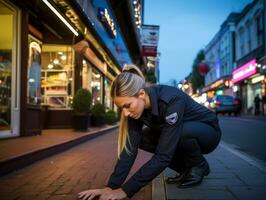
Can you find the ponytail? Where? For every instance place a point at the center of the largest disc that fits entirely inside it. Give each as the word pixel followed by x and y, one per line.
pixel 128 83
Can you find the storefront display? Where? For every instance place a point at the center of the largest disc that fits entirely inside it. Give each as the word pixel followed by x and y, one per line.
pixel 8 52
pixel 34 71
pixel 107 97
pixel 86 75
pixel 57 76
pixel 96 87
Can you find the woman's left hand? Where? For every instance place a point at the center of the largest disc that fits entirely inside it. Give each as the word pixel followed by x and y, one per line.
pixel 117 194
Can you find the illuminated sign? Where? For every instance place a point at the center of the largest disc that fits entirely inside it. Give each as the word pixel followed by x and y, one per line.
pixel 107 22
pixel 245 71
pixel 217 83
pixel 257 79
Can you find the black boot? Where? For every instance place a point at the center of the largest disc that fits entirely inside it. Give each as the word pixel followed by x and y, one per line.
pixel 195 175
pixel 178 178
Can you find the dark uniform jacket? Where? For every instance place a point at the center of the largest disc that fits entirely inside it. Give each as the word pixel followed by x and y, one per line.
pixel 170 108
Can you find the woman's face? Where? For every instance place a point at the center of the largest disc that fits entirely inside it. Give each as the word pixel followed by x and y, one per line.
pixel 131 106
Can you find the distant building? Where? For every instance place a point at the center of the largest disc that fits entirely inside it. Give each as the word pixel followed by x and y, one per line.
pixel 250 53
pixel 220 55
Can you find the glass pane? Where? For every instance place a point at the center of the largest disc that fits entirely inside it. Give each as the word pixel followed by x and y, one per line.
pixel 57 75
pixel 96 85
pixel 34 72
pixel 108 100
pixel 6 44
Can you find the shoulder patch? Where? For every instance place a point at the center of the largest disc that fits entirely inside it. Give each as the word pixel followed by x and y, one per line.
pixel 172 118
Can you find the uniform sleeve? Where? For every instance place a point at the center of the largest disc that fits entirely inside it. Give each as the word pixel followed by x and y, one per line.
pixel 164 152
pixel 126 160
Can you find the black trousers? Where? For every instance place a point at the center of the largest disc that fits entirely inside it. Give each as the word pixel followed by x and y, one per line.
pixel 197 138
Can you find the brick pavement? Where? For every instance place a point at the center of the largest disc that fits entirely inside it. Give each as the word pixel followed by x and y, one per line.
pixel 63 175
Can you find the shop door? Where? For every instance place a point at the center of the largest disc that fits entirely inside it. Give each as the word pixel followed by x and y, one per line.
pixel 9 109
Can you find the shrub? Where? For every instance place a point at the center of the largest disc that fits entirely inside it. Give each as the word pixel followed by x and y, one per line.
pixel 110 117
pixel 98 110
pixel 82 101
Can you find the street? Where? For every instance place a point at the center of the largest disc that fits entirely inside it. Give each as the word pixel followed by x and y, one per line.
pixel 64 175
pixel 245 134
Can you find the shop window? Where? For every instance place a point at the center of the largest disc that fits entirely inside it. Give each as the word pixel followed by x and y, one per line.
pixel 96 86
pixel 34 72
pixel 57 76
pixel 86 75
pixel 259 23
pixel 7 50
pixel 107 97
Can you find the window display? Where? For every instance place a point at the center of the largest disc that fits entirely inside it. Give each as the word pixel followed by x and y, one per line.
pixel 86 75
pixel 6 61
pixel 108 99
pixel 96 87
pixel 34 71
pixel 57 76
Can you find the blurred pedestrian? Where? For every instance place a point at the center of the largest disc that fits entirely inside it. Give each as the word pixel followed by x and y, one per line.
pixel 178 132
pixel 257 101
pixel 263 103
pixel 239 106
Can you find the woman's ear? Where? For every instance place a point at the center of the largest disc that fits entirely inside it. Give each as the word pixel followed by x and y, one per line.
pixel 142 94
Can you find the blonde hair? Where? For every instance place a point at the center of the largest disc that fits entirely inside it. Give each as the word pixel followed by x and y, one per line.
pixel 127 83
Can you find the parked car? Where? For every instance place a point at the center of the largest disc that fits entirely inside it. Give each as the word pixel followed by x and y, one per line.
pixel 225 104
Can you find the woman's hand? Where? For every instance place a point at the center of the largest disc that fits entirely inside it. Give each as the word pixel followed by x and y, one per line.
pixel 91 194
pixel 117 194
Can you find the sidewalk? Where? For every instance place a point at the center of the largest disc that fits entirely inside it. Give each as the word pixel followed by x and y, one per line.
pixel 233 176
pixel 19 152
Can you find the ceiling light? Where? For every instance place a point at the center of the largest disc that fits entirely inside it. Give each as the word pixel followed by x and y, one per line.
pixel 50 66
pixel 63 57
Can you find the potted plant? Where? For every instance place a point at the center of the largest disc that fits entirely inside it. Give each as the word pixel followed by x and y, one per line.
pixel 110 117
pixel 98 114
pixel 81 106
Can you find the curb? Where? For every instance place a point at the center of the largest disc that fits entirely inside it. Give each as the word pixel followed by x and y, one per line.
pixel 23 160
pixel 158 188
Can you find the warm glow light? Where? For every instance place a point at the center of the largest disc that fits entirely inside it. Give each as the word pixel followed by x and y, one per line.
pixel 257 79
pixel 63 57
pixel 50 66
pixel 61 17
pixel 56 61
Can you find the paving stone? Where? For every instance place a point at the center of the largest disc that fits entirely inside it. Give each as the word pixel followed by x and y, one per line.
pixel 247 193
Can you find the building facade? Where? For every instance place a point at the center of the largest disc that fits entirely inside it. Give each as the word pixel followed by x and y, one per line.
pixel 236 56
pixel 219 55
pixel 50 49
pixel 250 54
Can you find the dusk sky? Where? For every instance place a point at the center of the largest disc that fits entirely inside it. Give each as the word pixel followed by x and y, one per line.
pixel 186 26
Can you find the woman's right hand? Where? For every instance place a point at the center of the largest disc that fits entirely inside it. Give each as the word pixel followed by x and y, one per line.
pixel 91 194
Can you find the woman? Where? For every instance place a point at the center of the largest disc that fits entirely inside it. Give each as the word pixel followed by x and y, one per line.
pixel 178 131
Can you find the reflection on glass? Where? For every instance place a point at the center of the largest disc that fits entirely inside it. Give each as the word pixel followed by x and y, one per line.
pixel 34 71
pixel 96 85
pixel 57 75
pixel 6 44
pixel 108 100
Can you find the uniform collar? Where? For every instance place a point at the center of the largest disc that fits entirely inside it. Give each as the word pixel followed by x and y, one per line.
pixel 153 100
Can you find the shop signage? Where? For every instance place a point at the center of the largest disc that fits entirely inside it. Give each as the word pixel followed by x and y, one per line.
pixel 245 71
pixel 217 84
pixel 257 79
pixel 149 40
pixel 107 22
pixel 149 51
pixel 70 13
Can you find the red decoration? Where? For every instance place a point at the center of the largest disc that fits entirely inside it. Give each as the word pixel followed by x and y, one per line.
pixel 203 69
